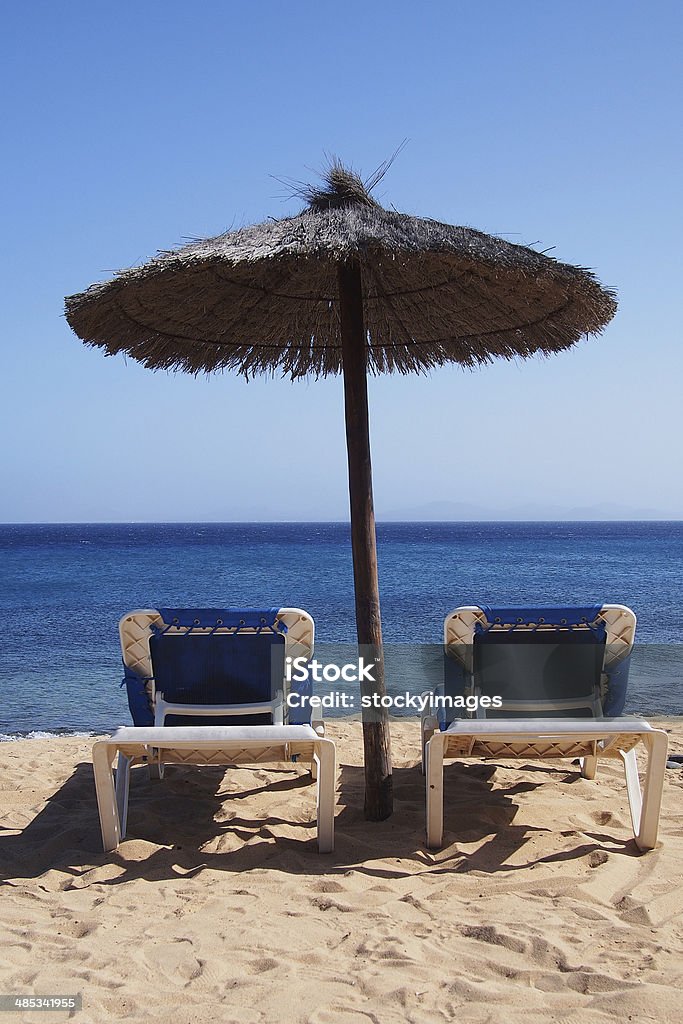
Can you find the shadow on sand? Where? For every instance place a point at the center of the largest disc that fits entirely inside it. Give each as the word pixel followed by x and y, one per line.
pixel 198 818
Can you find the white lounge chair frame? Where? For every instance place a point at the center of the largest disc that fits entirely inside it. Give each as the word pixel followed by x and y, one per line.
pixel 543 738
pixel 209 745
pixel 135 630
pixel 159 745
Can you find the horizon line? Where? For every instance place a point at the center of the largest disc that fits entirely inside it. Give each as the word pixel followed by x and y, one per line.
pixel 314 522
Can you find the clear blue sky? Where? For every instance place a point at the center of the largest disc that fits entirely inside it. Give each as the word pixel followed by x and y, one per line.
pixel 129 127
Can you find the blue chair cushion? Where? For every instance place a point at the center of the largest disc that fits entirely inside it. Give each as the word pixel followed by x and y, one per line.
pixel 218 668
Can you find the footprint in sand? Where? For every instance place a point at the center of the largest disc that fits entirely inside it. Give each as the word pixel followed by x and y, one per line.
pixel 342 1015
pixel 77 929
pixel 632 912
pixel 607 818
pixel 328 886
pixel 174 961
pixel 487 933
pixel 263 964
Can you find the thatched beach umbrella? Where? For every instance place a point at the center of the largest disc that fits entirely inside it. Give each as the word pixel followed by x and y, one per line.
pixel 348 287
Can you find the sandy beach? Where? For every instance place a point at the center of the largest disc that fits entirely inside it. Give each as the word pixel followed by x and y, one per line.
pixel 219 908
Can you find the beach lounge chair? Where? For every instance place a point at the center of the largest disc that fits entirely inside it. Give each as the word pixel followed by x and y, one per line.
pixel 209 686
pixel 559 678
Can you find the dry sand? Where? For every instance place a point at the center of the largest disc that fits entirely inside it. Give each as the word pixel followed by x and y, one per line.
pixel 220 909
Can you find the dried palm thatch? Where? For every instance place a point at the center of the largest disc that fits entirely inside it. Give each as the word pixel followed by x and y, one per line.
pixel 265 298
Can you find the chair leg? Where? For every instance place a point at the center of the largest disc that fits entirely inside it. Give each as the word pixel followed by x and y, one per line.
pixel 657 743
pixel 434 750
pixel 314 769
pixel 589 767
pixel 155 768
pixel 635 797
pixel 428 726
pixel 325 755
pixel 122 787
pixel 103 754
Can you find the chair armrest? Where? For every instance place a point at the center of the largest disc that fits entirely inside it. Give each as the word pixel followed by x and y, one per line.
pixel 164 708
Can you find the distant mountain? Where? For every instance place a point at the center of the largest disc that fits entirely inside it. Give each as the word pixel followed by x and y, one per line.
pixel 462 511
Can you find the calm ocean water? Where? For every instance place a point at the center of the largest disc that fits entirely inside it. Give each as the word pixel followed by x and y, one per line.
pixel 64 589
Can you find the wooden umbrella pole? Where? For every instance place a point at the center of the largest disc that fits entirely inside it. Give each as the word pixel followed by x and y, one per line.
pixel 376 740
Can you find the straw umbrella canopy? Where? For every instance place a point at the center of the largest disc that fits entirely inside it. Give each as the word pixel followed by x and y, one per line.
pixel 346 286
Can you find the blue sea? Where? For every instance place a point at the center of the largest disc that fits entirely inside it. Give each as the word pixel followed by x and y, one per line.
pixel 64 588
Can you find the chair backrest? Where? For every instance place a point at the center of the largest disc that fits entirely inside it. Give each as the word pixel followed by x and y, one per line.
pixel 540 662
pixel 213 656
